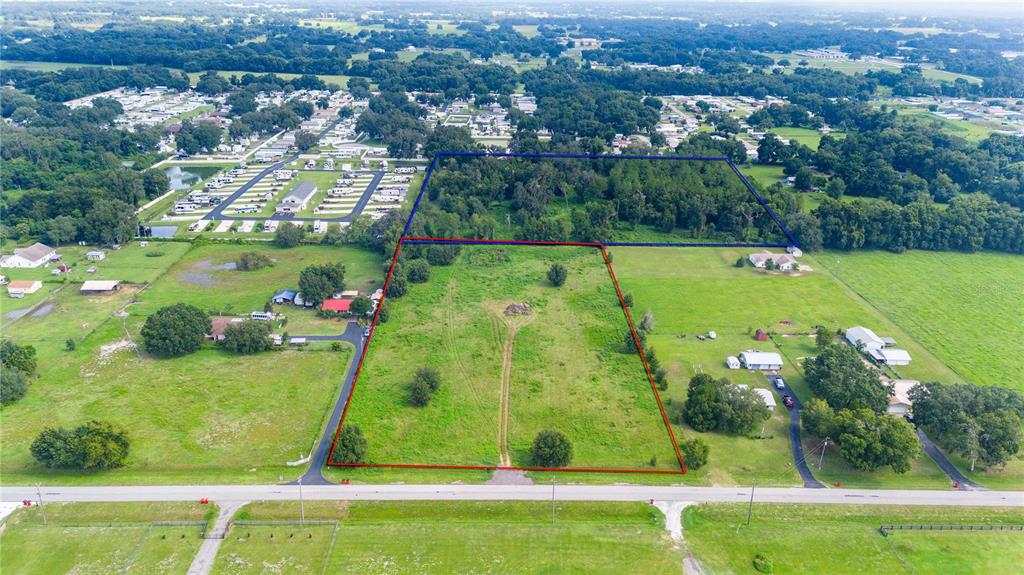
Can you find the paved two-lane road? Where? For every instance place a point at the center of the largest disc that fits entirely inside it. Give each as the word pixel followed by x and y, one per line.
pixel 221 493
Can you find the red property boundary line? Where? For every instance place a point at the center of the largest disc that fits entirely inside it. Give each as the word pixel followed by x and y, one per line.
pixel 629 320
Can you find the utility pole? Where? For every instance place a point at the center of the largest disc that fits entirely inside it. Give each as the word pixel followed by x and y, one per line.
pixel 552 499
pixel 302 506
pixel 750 507
pixel 821 459
pixel 42 510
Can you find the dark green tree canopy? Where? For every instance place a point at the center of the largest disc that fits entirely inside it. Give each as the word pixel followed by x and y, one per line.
pixel 320 282
pixel 91 446
pixel 981 423
pixel 838 375
pixel 288 236
pixel 20 357
pixel 351 446
pixel 551 448
pixel 176 330
pixel 249 336
pixel 13 384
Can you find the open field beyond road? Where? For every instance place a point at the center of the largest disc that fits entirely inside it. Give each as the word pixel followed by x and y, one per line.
pixel 452 537
pixel 102 538
pixel 819 539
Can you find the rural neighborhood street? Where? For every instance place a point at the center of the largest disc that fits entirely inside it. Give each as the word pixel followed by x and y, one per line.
pixel 222 493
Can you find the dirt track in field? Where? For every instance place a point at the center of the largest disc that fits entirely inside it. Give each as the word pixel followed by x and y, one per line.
pixel 504 457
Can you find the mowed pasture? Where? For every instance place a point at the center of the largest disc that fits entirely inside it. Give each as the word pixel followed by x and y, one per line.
pixel 694 291
pixel 206 417
pixel 569 369
pixel 845 539
pixel 966 308
pixel 102 538
pixel 450 537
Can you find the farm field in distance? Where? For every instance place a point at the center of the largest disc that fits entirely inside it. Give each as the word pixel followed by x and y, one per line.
pixel 569 369
pixel 845 539
pixel 968 309
pixel 103 538
pixel 692 291
pixel 451 537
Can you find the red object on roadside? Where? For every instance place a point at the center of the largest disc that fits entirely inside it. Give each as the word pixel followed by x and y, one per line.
pixel 27 502
pixel 838 484
pixel 204 501
pixel 956 485
pixel 344 481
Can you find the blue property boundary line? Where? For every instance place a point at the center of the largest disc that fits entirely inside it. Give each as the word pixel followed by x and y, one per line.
pixel 735 169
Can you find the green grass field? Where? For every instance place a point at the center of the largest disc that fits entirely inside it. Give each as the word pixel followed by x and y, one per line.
pixel 695 291
pixel 864 66
pixel 451 537
pixel 807 137
pixel 102 538
pixel 569 370
pixel 199 278
pixel 209 416
pixel 845 539
pixel 966 308
pixel 973 132
pixel 765 175
pixel 46 66
pixel 969 312
pixel 528 30
pixel 205 417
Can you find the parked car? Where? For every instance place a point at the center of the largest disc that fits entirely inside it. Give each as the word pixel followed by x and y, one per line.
pixel 780 383
pixel 787 401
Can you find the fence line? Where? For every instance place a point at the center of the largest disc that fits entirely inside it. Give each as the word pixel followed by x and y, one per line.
pixel 884 529
pixel 282 522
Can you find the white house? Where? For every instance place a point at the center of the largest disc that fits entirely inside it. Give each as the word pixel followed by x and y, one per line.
pixel 95 256
pixel 784 262
pixel 899 402
pixel 753 359
pixel 862 336
pixel 33 256
pixel 732 362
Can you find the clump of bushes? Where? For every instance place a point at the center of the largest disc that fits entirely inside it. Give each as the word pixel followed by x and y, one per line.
pixel 250 261
pixel 551 448
pixel 557 274
pixel 17 365
pixel 424 385
pixel 249 336
pixel 90 446
pixel 351 446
